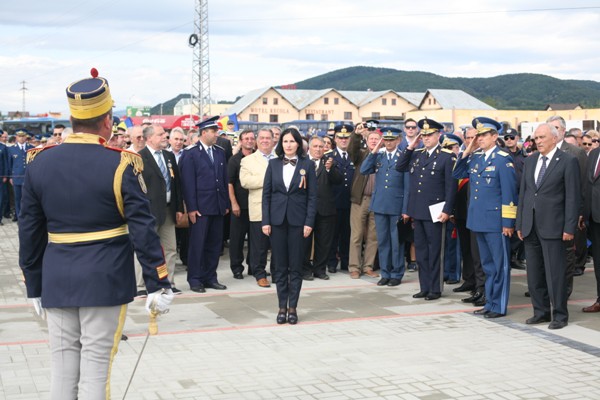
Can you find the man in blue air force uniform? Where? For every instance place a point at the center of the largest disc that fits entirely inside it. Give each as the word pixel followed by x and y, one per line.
pixel 84 212
pixel 17 166
pixel 492 210
pixel 389 203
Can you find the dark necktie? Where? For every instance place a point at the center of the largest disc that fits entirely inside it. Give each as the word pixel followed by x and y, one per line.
pixel 344 157
pixel 163 169
pixel 389 156
pixel 542 172
pixel 210 154
pixel 286 161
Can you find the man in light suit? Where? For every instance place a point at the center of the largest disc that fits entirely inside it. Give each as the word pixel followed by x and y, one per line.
pixel 164 192
pixel 547 215
pixel 389 203
pixel 204 182
pixel 592 217
pixel 252 177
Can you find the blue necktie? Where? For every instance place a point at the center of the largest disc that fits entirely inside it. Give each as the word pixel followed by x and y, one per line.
pixel 542 172
pixel 210 155
pixel 163 169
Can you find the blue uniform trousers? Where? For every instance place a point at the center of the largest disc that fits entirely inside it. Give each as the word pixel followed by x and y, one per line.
pixel 206 239
pixel 391 251
pixel 18 190
pixel 494 250
pixel 287 243
pixel 428 244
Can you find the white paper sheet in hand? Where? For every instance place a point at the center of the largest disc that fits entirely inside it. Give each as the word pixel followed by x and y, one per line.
pixel 435 210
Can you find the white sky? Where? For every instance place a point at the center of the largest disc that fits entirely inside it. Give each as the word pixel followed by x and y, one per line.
pixel 141 46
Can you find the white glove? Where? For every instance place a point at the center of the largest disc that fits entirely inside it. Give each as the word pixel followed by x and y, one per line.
pixel 159 301
pixel 37 305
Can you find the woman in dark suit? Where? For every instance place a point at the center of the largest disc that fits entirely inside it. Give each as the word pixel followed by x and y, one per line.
pixel 289 206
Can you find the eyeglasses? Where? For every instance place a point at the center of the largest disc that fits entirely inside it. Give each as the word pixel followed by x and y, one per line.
pixel 587 144
pixel 595 140
pixel 56 134
pixel 410 127
pixel 509 137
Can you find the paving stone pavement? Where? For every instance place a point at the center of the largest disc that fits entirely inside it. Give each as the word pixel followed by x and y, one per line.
pixel 354 341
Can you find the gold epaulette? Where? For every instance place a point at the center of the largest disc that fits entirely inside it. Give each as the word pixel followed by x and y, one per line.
pixel 32 153
pixel 502 153
pixel 509 211
pixel 127 158
pixel 447 151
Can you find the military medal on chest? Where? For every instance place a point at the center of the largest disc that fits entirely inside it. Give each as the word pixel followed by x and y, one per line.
pixel 171 169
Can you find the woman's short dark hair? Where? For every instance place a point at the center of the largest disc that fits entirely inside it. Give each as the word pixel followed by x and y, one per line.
pixel 297 137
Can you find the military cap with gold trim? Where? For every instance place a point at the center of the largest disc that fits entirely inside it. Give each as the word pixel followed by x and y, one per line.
pixel 343 130
pixel 89 98
pixel 371 124
pixel 429 126
pixel 485 125
pixel 390 133
pixel 450 139
pixel 21 132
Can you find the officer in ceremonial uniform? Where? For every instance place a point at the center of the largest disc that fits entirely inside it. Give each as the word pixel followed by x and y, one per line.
pixel 492 210
pixel 3 172
pixel 341 237
pixel 431 182
pixel 389 203
pixel 17 156
pixel 84 213
pixel 204 181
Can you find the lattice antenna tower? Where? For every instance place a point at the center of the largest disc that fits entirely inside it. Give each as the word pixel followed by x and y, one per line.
pixel 23 89
pixel 200 66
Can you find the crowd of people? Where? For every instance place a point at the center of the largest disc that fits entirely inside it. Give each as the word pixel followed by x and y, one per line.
pixel 367 199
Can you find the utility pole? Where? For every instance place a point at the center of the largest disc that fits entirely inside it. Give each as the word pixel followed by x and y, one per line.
pixel 200 65
pixel 23 89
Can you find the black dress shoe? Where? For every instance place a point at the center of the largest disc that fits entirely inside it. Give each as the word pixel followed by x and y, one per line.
pixel 394 282
pixel 452 281
pixel 420 295
pixel 292 318
pixel 124 337
pixel 463 288
pixel 215 285
pixel 141 293
pixel 527 294
pixel 538 320
pixel 325 277
pixel 493 314
pixel 476 296
pixel 15 219
pixel 557 324
pixel 307 278
pixel 282 317
pixel 238 275
pixel 332 270
pixel 198 289
pixel 383 282
pixel 433 296
pixel 518 264
pixel 480 302
pixel 578 272
pixel 481 311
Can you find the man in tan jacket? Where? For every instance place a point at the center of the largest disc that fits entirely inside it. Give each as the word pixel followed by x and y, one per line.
pixel 252 175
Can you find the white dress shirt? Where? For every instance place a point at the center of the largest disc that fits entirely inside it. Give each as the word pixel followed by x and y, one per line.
pixel 288 173
pixel 538 165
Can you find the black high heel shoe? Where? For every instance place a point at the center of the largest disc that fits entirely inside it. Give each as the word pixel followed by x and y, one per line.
pixel 292 317
pixel 282 317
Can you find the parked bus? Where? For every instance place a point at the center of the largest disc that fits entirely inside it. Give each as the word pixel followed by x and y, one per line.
pixel 36 126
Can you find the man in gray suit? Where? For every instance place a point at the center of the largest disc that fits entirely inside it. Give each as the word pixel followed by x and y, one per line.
pixel 547 215
pixel 576 249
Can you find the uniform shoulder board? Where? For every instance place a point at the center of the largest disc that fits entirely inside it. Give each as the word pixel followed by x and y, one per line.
pixel 191 146
pixel 219 147
pixel 31 153
pixel 448 151
pixel 421 149
pixel 503 153
pixel 478 152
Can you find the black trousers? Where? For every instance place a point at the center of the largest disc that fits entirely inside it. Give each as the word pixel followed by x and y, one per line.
pixel 238 229
pixel 472 272
pixel 340 246
pixel 546 276
pixel 259 249
pixel 323 237
pixel 182 236
pixel 594 231
pixel 287 245
pixel 428 244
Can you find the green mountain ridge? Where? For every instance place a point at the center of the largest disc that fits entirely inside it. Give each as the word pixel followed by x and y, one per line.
pixel 525 91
